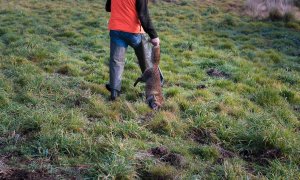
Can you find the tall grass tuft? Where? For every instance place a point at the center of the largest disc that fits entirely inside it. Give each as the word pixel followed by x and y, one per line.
pixel 272 9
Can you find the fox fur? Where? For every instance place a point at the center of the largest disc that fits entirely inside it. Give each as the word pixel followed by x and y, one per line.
pixel 151 77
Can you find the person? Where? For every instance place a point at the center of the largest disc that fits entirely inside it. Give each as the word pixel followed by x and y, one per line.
pixel 128 23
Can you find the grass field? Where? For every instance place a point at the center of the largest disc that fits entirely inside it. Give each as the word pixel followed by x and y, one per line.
pixel 232 95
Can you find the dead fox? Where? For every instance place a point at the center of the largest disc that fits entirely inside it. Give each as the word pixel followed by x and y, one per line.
pixel 151 77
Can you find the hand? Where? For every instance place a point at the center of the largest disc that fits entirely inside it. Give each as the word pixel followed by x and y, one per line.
pixel 155 41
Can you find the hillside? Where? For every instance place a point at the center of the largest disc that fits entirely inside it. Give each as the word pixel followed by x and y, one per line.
pixel 232 95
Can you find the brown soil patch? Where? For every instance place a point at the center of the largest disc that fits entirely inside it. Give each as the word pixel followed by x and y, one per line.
pixel 224 154
pixel 164 154
pixel 201 86
pixel 145 175
pixel 20 174
pixel 175 159
pixel 65 70
pixel 297 109
pixel 76 101
pixel 148 117
pixel 159 151
pixel 262 157
pixel 235 6
pixel 217 73
pixel 203 136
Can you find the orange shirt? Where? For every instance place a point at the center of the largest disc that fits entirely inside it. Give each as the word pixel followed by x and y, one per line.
pixel 123 17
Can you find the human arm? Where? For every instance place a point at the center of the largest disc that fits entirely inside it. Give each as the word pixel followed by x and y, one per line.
pixel 144 17
pixel 107 5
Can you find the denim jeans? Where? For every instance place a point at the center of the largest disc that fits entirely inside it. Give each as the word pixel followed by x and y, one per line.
pixel 123 39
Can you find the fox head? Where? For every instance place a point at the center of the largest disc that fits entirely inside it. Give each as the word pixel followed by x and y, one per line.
pixel 155 101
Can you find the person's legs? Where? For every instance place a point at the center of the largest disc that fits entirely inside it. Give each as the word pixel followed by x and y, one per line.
pixel 116 64
pixel 119 42
pixel 139 43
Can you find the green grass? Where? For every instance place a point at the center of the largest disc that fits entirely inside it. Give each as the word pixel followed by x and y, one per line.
pixel 56 117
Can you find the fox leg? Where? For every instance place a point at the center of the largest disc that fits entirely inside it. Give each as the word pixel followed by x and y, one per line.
pixel 137 81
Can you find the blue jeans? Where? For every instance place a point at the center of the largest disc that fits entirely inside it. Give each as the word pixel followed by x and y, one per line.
pixel 123 39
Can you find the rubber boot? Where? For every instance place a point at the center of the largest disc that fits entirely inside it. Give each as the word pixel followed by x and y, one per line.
pixel 114 94
pixel 144 59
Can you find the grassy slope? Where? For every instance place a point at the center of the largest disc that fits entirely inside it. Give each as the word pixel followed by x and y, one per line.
pixel 55 116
